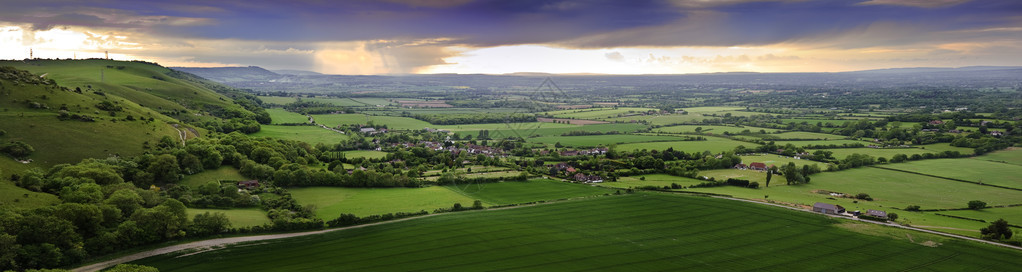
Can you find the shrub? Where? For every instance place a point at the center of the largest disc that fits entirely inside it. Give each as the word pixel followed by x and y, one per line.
pixel 976 204
pixel 912 208
pixel 864 196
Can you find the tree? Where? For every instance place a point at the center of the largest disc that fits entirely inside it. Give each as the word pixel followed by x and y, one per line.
pixel 17 149
pixel 997 230
pixel 770 174
pixel 477 204
pixel 209 223
pixel 892 216
pixel 976 204
pixel 912 208
pixel 126 200
pixel 132 268
pixel 165 168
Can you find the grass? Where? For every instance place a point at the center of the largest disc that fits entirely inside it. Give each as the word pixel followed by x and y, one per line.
pixel 239 217
pixel 332 201
pixel 982 171
pixel 658 180
pixel 826 142
pixel 309 134
pixel 712 144
pixel 620 233
pixel 281 116
pixel 219 174
pixel 544 129
pixel 600 140
pixel 900 189
pixel 392 122
pixel 14 197
pixel 801 135
pixel 598 113
pixel 514 192
pixel 369 154
pixel 1011 156
pixel 1012 214
pixel 841 153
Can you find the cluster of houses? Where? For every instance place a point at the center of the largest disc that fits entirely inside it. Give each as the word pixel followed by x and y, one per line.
pixel 372 131
pixel 467 148
pixel 587 178
pixel 569 170
pixel 827 208
pixel 758 166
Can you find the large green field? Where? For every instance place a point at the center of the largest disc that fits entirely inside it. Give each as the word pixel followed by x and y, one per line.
pixel 392 122
pixel 658 180
pixel 238 217
pixel 712 144
pixel 1011 156
pixel 598 113
pixel 369 154
pixel 14 197
pixel 308 134
pixel 515 192
pixel 713 129
pixel 601 140
pixel 618 233
pixel 543 129
pixel 982 171
pixel 332 201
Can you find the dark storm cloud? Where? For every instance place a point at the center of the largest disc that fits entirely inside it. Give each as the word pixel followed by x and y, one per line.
pixel 595 23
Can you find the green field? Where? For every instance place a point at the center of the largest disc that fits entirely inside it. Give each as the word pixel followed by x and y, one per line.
pixel 369 154
pixel 888 153
pixel 332 201
pixel 515 192
pixel 597 113
pixel 712 129
pixel 392 122
pixel 899 189
pixel 1011 156
pixel 281 116
pixel 827 142
pixel 219 174
pixel 712 144
pixel 658 180
pixel 308 134
pixel 1012 214
pixel 238 217
pixel 837 122
pixel 542 129
pixel 619 233
pixel 982 171
pixel 802 136
pixel 279 100
pixel 14 197
pixel 600 140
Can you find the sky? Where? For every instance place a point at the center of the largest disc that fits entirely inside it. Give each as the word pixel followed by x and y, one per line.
pixel 509 36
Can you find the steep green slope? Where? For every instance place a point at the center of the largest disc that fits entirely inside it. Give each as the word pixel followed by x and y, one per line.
pixel 64 126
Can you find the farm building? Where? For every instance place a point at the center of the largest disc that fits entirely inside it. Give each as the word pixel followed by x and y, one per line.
pixel 827 208
pixel 758 166
pixel 588 178
pixel 741 166
pixel 876 213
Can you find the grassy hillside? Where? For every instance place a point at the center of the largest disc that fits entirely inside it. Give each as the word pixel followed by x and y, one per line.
pixel 65 126
pixel 627 233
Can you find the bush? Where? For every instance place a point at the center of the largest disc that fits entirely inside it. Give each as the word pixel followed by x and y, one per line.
pixel 912 208
pixel 864 196
pixel 17 149
pixel 976 204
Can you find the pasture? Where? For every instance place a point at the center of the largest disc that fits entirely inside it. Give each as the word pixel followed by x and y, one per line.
pixel 14 197
pixel 281 116
pixel 618 233
pixel 368 154
pixel 801 135
pixel 1011 156
pixel 841 153
pixel 820 142
pixel 392 122
pixel 543 130
pixel 515 192
pixel 658 180
pixel 981 171
pixel 600 140
pixel 308 134
pixel 219 174
pixel 712 144
pixel 332 201
pixel 239 217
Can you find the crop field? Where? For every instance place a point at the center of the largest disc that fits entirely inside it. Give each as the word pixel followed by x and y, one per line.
pixel 369 154
pixel 600 140
pixel 632 232
pixel 712 129
pixel 966 169
pixel 281 116
pixel 1011 156
pixel 713 144
pixel 308 134
pixel 332 201
pixel 14 197
pixel 516 192
pixel 219 174
pixel 239 217
pixel 658 180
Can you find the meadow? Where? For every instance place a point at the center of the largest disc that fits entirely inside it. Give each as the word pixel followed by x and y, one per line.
pixel 281 116
pixel 888 153
pixel 332 201
pixel 617 233
pixel 801 135
pixel 658 180
pixel 368 154
pixel 543 130
pixel 308 134
pixel 516 192
pixel 1011 156
pixel 712 144
pixel 600 140
pixel 219 174
pixel 238 217
pixel 392 122
pixel 14 197
pixel 981 171
pixel 712 129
